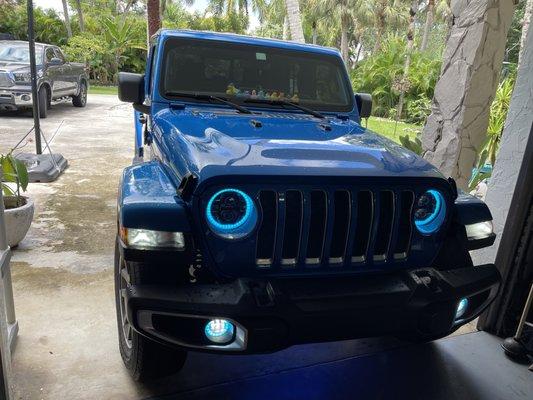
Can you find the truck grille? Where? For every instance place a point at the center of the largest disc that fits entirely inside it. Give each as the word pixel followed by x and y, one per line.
pixel 317 228
pixel 5 79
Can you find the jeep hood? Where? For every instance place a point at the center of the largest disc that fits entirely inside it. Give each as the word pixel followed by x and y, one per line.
pixel 215 143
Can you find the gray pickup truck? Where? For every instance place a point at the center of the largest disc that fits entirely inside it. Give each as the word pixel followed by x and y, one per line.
pixel 57 78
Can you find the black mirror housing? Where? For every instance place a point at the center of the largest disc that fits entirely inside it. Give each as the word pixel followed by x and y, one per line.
pixel 364 104
pixel 56 61
pixel 131 87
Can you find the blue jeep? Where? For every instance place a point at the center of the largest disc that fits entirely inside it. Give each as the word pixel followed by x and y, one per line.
pixel 259 213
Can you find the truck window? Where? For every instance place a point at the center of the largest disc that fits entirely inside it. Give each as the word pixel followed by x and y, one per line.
pixel 49 54
pixel 59 54
pixel 243 71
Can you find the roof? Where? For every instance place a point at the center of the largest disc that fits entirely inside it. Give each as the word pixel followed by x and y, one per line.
pixel 23 42
pixel 245 39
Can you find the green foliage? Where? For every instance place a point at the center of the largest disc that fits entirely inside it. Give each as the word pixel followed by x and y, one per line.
pixel 498 115
pixel 415 144
pixel 379 73
pixel 13 171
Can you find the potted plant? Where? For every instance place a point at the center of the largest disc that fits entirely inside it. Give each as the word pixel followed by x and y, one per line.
pixel 18 209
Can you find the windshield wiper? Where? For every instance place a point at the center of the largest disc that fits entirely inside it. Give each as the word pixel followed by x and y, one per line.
pixel 209 97
pixel 280 102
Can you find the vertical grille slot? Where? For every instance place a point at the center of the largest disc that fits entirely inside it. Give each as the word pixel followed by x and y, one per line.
pixel 403 239
pixel 341 224
pixel 317 227
pixel 365 213
pixel 293 227
pixel 267 232
pixel 384 230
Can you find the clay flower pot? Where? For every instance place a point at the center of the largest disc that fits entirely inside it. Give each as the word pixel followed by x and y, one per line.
pixel 18 219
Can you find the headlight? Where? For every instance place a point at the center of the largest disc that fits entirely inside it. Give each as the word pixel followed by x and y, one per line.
pixel 231 214
pixel 480 230
pixel 145 239
pixel 22 77
pixel 429 212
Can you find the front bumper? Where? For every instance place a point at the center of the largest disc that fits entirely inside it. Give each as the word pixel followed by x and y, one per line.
pixel 14 98
pixel 273 314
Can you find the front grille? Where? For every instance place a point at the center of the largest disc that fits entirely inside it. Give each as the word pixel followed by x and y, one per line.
pixel 5 79
pixel 334 228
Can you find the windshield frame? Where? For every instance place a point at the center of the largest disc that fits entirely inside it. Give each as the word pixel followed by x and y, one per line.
pixel 171 42
pixel 39 49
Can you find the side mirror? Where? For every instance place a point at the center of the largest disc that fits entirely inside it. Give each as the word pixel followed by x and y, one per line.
pixel 364 104
pixel 131 87
pixel 56 61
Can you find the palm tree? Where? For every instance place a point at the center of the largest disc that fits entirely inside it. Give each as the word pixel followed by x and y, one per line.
pixel 80 15
pixel 67 19
pixel 409 50
pixel 154 17
pixel 430 16
pixel 295 20
pixel 434 9
pixel 341 13
pixel 385 12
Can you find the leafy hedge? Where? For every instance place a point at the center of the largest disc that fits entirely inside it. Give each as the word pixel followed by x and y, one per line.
pixel 378 74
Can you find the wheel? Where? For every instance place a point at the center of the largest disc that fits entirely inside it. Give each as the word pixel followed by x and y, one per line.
pixel 80 100
pixel 144 358
pixel 43 102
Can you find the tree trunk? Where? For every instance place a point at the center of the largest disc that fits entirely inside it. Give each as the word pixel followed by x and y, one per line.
pixel 80 16
pixel 380 24
pixel 295 20
pixel 409 50
pixel 162 8
pixel 314 32
pixel 456 129
pixel 154 22
pixel 430 16
pixel 344 44
pixel 67 19
pixel 286 29
pixel 525 27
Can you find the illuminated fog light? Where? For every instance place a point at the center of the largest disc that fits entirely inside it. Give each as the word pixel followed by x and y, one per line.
pixel 231 214
pixel 219 331
pixel 480 230
pixel 461 308
pixel 149 239
pixel 429 212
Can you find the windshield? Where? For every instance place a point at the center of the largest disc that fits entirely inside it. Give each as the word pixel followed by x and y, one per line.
pixel 241 72
pixel 19 53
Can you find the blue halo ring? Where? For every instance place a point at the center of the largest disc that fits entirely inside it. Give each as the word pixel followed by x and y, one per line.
pixel 238 229
pixel 434 221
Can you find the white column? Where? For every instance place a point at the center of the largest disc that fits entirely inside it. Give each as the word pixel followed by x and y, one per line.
pixel 516 134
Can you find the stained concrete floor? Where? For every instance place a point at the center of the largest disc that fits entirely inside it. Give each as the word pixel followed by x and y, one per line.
pixel 62 274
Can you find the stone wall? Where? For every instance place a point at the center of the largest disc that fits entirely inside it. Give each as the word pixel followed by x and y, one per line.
pixel 472 61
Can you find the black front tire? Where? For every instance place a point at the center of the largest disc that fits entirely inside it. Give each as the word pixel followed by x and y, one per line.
pixel 43 102
pixel 145 359
pixel 80 100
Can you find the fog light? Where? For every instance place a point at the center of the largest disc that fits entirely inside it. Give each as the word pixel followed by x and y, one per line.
pixel 219 331
pixel 25 97
pixel 461 308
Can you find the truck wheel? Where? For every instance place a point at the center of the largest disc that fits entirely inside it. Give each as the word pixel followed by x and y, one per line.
pixel 80 100
pixel 43 102
pixel 144 358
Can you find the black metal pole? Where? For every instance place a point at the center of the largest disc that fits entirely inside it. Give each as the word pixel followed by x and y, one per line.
pixel 33 71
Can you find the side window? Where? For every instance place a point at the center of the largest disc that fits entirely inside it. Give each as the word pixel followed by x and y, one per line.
pixel 59 54
pixel 152 69
pixel 49 54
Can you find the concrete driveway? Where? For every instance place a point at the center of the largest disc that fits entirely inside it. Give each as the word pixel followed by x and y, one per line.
pixel 63 282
